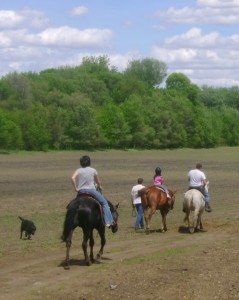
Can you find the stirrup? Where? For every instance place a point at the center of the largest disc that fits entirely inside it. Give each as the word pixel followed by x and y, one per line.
pixel 208 208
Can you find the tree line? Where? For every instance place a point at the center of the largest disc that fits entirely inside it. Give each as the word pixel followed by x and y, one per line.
pixel 94 106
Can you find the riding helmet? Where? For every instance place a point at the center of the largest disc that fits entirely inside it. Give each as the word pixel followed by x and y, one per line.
pixel 158 171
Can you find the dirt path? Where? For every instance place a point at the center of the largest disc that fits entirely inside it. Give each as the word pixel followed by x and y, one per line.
pixel 168 265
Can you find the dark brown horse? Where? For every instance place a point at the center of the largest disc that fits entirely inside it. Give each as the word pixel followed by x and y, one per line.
pixel 85 212
pixel 156 199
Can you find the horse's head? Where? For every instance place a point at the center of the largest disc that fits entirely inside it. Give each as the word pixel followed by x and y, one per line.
pixel 115 216
pixel 172 200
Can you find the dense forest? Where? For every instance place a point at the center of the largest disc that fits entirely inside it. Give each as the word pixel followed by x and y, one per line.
pixel 93 106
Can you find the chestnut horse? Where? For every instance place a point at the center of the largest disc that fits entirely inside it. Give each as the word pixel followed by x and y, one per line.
pixel 156 199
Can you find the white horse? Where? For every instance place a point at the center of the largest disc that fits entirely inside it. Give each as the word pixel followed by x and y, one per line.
pixel 194 206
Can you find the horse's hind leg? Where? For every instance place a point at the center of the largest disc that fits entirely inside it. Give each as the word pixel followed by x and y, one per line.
pixel 146 219
pixel 164 215
pixel 92 242
pixel 148 216
pixel 199 222
pixel 68 246
pixel 103 241
pixel 194 221
pixel 86 235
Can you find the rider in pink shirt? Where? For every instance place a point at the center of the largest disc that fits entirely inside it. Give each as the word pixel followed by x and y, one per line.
pixel 158 181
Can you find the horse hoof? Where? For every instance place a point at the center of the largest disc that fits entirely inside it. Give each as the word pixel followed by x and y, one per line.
pixel 88 263
pixel 66 267
pixel 191 230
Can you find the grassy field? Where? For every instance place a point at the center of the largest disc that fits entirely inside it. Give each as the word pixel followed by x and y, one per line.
pixel 172 266
pixel 37 186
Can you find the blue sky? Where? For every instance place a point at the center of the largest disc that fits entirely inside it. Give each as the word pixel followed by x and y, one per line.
pixel 198 38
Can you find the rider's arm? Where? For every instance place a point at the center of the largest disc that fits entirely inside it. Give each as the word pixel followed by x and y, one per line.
pixel 73 180
pixel 97 181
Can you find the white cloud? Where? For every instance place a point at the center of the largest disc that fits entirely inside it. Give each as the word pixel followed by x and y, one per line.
pixel 9 19
pixel 14 19
pixel 79 11
pixel 5 41
pixel 195 38
pixel 120 61
pixel 219 3
pixel 205 55
pixel 205 15
pixel 34 18
pixel 196 53
pixel 71 37
pixel 128 24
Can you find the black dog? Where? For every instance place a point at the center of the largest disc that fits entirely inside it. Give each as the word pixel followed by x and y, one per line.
pixel 27 226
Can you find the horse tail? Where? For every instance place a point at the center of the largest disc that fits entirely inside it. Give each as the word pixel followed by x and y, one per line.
pixel 142 191
pixel 69 223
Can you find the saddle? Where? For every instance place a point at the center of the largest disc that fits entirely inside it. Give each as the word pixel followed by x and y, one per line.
pixel 75 202
pixel 196 188
pixel 161 189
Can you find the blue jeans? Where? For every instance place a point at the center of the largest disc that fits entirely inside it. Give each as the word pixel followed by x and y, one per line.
pixel 140 216
pixel 163 187
pixel 107 213
pixel 206 195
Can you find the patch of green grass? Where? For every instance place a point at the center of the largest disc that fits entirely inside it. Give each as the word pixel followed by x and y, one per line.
pixel 158 255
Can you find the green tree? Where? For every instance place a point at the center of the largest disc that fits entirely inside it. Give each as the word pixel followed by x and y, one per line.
pixel 149 70
pixel 211 97
pixel 35 129
pixel 142 134
pixel 181 84
pixel 230 131
pixel 10 133
pixel 95 64
pixel 82 131
pixel 127 87
pixel 19 85
pixel 114 127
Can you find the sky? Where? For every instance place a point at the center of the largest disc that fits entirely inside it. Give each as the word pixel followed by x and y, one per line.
pixel 197 38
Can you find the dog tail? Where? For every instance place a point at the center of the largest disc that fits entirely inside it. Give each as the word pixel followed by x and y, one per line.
pixel 21 218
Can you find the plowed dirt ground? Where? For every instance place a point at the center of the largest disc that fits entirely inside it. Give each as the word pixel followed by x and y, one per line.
pixel 172 265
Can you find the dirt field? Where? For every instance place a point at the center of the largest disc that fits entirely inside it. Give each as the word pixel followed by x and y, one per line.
pixel 172 265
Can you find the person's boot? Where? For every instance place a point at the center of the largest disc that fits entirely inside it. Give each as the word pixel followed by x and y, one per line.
pixel 208 208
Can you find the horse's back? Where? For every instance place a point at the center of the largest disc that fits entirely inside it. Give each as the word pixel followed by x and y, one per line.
pixel 194 198
pixel 87 211
pixel 152 196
